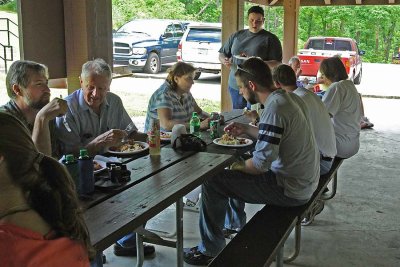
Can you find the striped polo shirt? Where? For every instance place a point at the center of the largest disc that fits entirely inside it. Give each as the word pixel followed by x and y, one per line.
pixel 181 107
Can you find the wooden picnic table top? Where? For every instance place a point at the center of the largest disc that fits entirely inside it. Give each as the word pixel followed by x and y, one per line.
pixel 132 207
pixel 156 183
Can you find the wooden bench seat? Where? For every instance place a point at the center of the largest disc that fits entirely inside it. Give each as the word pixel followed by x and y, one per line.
pixel 262 239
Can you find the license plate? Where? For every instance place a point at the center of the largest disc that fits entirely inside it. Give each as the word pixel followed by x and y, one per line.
pixel 202 51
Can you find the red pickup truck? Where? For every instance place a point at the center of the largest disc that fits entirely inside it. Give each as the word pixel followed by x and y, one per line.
pixel 318 48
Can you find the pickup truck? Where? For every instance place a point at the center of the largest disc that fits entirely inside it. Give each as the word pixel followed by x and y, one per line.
pixel 147 44
pixel 317 49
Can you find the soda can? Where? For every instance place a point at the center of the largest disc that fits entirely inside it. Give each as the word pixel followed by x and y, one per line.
pixel 214 129
pixel 214 116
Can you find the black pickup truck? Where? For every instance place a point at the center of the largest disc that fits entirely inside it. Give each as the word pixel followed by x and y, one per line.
pixel 147 44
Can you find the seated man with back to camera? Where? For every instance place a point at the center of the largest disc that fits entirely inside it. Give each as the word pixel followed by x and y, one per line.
pixel 285 78
pixel 96 118
pixel 283 171
pixel 29 94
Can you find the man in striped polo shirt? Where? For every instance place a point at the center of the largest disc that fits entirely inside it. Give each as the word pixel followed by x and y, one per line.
pixel 283 171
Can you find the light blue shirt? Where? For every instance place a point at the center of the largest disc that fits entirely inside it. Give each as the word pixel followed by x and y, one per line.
pixel 85 124
pixel 181 107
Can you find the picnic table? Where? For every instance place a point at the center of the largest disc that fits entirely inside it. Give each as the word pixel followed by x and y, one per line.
pixel 156 183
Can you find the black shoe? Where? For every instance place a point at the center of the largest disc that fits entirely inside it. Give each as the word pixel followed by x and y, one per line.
pixel 131 251
pixel 194 257
pixel 228 233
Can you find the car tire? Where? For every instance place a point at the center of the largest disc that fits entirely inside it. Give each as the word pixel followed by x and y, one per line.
pixel 152 64
pixel 197 75
pixel 357 80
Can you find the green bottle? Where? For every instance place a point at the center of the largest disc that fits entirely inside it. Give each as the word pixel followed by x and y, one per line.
pixel 195 124
pixel 72 166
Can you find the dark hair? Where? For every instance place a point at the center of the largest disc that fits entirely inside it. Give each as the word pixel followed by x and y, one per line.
pixel 48 187
pixel 19 73
pixel 284 74
pixel 256 9
pixel 333 69
pixel 179 69
pixel 256 70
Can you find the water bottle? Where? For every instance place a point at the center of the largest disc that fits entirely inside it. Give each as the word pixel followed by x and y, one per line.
pixel 86 175
pixel 195 124
pixel 72 166
pixel 153 136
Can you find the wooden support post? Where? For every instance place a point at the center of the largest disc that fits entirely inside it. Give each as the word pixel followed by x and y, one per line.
pixel 290 28
pixel 232 21
pixel 88 35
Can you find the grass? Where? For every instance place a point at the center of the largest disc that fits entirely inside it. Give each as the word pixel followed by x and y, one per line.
pixel 135 103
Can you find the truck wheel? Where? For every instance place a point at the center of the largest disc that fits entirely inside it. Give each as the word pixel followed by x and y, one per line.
pixel 197 75
pixel 152 64
pixel 357 80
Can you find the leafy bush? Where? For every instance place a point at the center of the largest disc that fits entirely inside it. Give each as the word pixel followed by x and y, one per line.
pixel 8 5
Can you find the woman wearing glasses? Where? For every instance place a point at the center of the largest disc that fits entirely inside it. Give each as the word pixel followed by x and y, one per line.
pixel 251 42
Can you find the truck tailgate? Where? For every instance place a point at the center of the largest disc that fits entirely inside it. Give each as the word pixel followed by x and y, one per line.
pixel 311 59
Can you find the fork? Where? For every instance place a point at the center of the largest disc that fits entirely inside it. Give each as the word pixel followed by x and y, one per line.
pixel 128 130
pixel 65 120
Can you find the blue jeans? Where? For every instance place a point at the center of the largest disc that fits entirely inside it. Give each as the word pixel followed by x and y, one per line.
pixel 238 101
pixel 324 166
pixel 256 189
pixel 128 241
pixel 235 217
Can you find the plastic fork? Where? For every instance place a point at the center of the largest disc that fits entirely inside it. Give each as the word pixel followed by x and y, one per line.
pixel 128 130
pixel 65 121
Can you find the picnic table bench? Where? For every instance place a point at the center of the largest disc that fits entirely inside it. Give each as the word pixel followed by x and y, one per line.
pixel 262 239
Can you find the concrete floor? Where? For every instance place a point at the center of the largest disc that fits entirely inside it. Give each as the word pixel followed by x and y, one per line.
pixel 359 227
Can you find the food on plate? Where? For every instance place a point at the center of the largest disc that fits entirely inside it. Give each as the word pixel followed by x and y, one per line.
pixel 165 135
pixel 130 146
pixel 96 166
pixel 227 139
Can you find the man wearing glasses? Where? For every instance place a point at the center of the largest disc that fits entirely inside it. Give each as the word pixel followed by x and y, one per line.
pixel 251 42
pixel 283 171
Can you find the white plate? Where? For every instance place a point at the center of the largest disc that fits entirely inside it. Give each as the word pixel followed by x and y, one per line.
pixel 248 142
pixel 165 138
pixel 241 58
pixel 143 144
pixel 103 165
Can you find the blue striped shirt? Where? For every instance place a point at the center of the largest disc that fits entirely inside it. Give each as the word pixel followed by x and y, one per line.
pixel 181 107
pixel 86 125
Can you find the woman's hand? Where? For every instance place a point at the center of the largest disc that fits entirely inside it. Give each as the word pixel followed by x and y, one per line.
pixel 205 124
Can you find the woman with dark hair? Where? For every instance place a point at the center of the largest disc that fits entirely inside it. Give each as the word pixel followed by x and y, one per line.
pixel 173 103
pixel 41 223
pixel 343 104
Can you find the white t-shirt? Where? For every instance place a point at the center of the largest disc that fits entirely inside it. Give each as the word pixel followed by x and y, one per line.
pixel 343 103
pixel 321 122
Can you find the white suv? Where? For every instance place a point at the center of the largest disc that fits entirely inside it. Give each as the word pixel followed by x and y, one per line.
pixel 199 46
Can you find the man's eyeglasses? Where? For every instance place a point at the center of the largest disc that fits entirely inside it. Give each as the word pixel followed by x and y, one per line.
pixel 239 67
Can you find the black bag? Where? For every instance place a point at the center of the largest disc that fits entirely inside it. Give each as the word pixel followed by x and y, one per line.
pixel 190 142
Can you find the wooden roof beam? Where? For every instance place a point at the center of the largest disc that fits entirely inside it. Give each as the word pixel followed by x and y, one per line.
pixel 273 2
